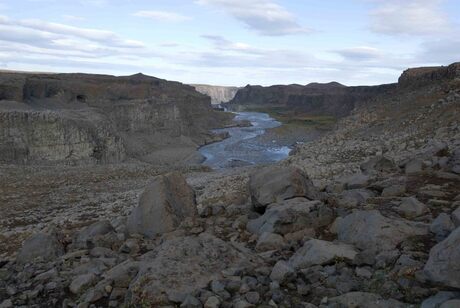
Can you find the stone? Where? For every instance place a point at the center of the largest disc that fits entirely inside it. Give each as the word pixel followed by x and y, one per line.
pixel 87 237
pixel 291 216
pixel 278 183
pixel 379 164
pixel 281 271
pixel 165 203
pixel 442 226
pixel 410 208
pixel 212 302
pixel 363 299
pixel 436 300
pixel 453 303
pixel 413 166
pixel 80 283
pixel 442 265
pixel 319 252
pixel 252 297
pixel 7 303
pixel 363 272
pixel 40 245
pixel 191 302
pixel 456 217
pixel 356 181
pixel 183 264
pixel 270 241
pixel 454 161
pixel 394 191
pixel 122 274
pixel 354 197
pixel 370 230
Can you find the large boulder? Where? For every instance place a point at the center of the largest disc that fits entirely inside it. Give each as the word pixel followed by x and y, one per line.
pixel 410 208
pixel 163 205
pixel 454 161
pixel 443 264
pixel 182 265
pixel 369 230
pixel 276 183
pixel 42 246
pixel 363 299
pixel 318 252
pixel 291 216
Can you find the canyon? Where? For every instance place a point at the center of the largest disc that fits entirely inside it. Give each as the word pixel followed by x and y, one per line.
pixel 366 213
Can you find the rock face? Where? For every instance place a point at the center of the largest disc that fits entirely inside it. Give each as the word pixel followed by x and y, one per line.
pixel 370 230
pixel 165 202
pixel 40 245
pixel 218 94
pixel 276 183
pixel 81 119
pixel 443 263
pixel 315 98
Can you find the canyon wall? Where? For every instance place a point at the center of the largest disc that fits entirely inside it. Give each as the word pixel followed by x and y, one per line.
pixel 218 94
pixel 80 118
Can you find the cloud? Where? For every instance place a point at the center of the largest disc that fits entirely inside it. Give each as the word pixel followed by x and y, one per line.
pixel 362 53
pixel 72 18
pixel 440 51
pixel 263 16
pixel 409 17
pixel 162 16
pixel 35 28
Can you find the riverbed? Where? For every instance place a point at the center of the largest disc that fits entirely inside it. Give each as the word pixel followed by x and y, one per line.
pixel 243 147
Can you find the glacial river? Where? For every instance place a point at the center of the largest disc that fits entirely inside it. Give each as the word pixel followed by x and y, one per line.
pixel 242 147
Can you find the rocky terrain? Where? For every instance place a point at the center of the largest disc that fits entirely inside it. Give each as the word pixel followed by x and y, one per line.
pixel 81 119
pixel 367 215
pixel 218 94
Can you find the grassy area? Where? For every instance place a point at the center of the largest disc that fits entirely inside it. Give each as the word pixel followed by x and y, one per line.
pixel 295 118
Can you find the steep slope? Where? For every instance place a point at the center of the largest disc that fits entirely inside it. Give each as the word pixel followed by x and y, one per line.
pixel 80 118
pixel 218 94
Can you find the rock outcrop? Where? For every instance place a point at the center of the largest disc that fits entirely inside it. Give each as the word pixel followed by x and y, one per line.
pixel 79 118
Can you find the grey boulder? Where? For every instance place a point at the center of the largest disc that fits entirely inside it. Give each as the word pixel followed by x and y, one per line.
pixel 363 299
pixel 318 252
pixel 277 183
pixel 443 262
pixel 44 246
pixel 410 208
pixel 369 230
pixel 88 237
pixel 379 164
pixel 165 203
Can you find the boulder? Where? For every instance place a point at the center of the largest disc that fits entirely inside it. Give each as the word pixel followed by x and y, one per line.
pixel 369 230
pixel 442 226
pixel 356 181
pixel 277 183
pixel 413 166
pixel 44 246
pixel 456 217
pixel 354 197
pixel 394 190
pixel 453 303
pixel 165 203
pixel 318 252
pixel 281 271
pixel 88 237
pixel 454 161
pixel 379 164
pixel 80 283
pixel 291 216
pixel 270 241
pixel 436 300
pixel 443 262
pixel 410 208
pixel 363 299
pixel 183 265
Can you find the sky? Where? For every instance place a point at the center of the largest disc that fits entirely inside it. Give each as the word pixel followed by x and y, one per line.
pixel 231 42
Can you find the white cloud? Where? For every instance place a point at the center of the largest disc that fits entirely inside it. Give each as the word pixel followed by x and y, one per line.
pixel 409 17
pixel 73 18
pixel 360 53
pixel 162 16
pixel 263 16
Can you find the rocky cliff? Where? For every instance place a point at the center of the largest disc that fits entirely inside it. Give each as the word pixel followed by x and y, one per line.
pixel 79 118
pixel 331 98
pixel 218 94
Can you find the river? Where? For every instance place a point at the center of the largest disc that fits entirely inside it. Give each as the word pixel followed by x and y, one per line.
pixel 243 147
